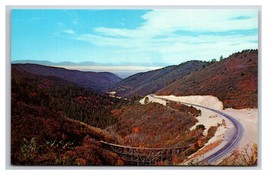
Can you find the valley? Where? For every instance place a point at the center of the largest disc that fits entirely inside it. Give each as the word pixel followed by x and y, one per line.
pixel 195 113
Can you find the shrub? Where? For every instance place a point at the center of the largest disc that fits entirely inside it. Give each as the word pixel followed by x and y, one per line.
pixel 28 149
pixel 246 156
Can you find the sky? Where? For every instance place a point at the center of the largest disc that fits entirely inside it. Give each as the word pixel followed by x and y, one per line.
pixel 156 36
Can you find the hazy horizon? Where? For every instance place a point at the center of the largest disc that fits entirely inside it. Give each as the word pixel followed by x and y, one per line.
pixel 169 36
pixel 120 69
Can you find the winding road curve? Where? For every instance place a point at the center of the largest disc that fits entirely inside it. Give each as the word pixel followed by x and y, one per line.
pixel 238 130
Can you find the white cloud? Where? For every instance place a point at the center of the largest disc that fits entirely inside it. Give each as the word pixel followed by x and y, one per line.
pixel 164 22
pixel 158 34
pixel 207 20
pixel 69 31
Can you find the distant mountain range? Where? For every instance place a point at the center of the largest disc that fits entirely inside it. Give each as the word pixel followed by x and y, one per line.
pixel 121 69
pixel 98 81
pixel 89 63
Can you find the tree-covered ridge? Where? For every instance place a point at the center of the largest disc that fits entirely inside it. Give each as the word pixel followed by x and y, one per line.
pixel 43 131
pixel 64 98
pixel 234 80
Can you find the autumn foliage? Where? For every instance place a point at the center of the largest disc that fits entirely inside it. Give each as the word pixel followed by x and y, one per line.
pixel 64 98
pixel 56 122
pixel 43 129
pixel 233 80
pixel 154 125
pixel 245 156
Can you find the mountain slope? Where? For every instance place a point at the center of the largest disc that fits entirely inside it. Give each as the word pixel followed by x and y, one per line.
pixel 152 81
pixel 234 81
pixel 43 131
pixel 92 80
pixel 69 99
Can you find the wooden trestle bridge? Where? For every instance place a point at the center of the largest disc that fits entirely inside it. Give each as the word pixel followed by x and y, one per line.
pixel 144 156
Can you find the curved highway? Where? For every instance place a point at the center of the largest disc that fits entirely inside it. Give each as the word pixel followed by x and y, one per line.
pixel 238 130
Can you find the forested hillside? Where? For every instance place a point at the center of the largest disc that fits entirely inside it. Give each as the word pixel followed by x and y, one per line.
pixel 43 131
pixel 97 81
pixel 142 84
pixel 233 80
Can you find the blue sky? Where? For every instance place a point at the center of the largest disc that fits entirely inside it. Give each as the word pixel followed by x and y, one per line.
pixel 169 36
